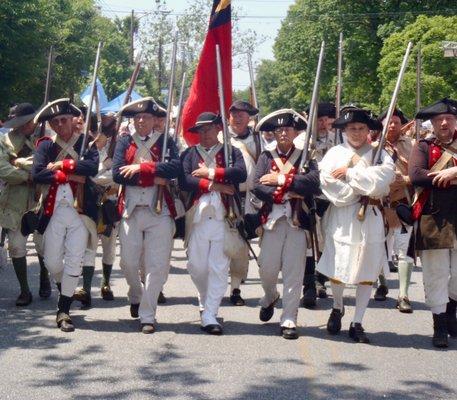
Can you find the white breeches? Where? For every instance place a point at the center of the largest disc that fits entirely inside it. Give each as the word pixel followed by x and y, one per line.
pixel 239 268
pixel 108 248
pixel 439 269
pixel 65 241
pixel 398 243
pixel 283 249
pixel 146 233
pixel 208 266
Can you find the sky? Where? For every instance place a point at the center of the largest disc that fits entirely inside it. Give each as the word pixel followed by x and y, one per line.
pixel 261 16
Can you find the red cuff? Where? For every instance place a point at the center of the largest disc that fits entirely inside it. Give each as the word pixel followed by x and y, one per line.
pixel 68 166
pixel 219 174
pixel 203 185
pixel 60 177
pixel 147 173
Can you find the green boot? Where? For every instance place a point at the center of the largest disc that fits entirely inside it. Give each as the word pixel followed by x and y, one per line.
pixel 20 268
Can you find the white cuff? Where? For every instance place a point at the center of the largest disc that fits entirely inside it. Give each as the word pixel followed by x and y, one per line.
pixel 281 179
pixel 211 173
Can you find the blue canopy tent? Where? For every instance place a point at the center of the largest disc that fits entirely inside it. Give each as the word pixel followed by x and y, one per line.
pixel 102 99
pixel 115 105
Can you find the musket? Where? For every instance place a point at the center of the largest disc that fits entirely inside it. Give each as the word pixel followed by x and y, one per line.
pixel 304 162
pixel 231 216
pixel 47 89
pixel 180 106
pixel 393 101
pixel 257 138
pixel 305 158
pixel 339 86
pixel 418 88
pixel 128 95
pixel 161 188
pixel 91 100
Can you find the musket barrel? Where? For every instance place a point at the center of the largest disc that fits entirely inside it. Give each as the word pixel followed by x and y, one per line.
pixel 418 87
pixel 91 99
pixel 180 105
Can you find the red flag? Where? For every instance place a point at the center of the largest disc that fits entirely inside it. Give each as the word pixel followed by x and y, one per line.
pixel 203 94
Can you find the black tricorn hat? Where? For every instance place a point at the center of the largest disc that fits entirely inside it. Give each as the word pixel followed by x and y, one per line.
pixel 19 115
pixel 240 105
pixel 397 112
pixel 354 114
pixel 204 119
pixel 56 108
pixel 162 113
pixel 145 105
pixel 285 117
pixel 444 106
pixel 325 109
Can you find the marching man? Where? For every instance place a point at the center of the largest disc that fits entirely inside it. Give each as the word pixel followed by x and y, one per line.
pixel 144 230
pixel 211 182
pixel 433 171
pixel 354 251
pixel 68 204
pixel 283 245
pixel 244 139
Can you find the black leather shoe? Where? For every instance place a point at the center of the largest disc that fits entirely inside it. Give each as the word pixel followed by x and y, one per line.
pixel 357 333
pixel 236 299
pixel 334 321
pixel 440 332
pixel 266 313
pixel 84 298
pixel 24 299
pixel 161 299
pixel 64 322
pixel 404 305
pixel 289 333
pixel 107 293
pixel 212 329
pixel 147 328
pixel 321 290
pixel 381 293
pixel 45 287
pixel 134 310
pixel 309 296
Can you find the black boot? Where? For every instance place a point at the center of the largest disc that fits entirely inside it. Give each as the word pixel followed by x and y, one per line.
pixel 381 293
pixel 63 319
pixel 320 285
pixel 106 292
pixel 451 318
pixel 45 283
pixel 309 291
pixel 236 299
pixel 20 268
pixel 440 330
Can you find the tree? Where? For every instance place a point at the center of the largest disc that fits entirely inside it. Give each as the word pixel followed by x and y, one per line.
pixel 364 25
pixel 439 74
pixel 29 27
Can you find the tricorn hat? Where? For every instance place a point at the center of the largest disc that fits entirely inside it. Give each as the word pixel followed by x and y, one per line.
pixel 240 105
pixel 444 106
pixel 162 113
pixel 397 112
pixel 285 117
pixel 324 110
pixel 204 119
pixel 56 108
pixel 353 114
pixel 145 105
pixel 19 115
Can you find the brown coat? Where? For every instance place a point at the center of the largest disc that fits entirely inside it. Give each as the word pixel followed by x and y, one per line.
pixel 438 222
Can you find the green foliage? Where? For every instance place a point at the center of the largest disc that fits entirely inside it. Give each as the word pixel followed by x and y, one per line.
pixel 365 24
pixel 439 74
pixel 74 27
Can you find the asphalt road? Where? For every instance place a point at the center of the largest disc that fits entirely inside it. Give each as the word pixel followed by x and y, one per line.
pixel 107 357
